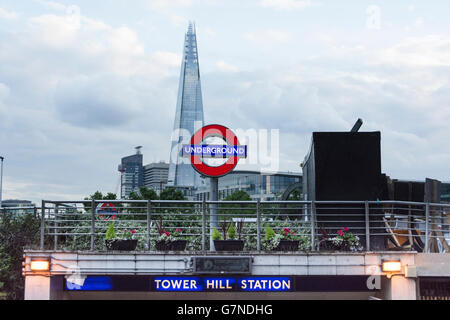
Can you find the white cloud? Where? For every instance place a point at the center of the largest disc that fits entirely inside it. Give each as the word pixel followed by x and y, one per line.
pixel 165 5
pixel 8 15
pixel 268 38
pixel 428 51
pixel 226 67
pixel 51 5
pixel 286 4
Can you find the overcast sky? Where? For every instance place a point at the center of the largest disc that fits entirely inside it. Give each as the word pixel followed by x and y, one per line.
pixel 77 94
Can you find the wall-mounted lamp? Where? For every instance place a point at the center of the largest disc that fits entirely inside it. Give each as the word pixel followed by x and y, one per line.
pixel 40 264
pixel 392 267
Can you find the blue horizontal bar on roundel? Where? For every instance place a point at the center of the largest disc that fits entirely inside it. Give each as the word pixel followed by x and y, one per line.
pixel 214 151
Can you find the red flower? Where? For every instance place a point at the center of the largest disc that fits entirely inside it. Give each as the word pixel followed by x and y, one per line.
pixel 341 233
pixel 102 216
pixel 346 229
pixel 133 231
pixel 178 230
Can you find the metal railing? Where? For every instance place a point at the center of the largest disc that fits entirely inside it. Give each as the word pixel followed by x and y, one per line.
pixel 379 225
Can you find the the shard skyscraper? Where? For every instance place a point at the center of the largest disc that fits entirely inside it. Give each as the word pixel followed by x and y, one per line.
pixel 189 114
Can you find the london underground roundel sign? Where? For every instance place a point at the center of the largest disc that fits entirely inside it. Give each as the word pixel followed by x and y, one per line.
pixel 230 150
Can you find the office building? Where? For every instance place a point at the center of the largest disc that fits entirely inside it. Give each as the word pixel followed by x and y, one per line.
pixel 132 174
pixel 155 176
pixel 260 186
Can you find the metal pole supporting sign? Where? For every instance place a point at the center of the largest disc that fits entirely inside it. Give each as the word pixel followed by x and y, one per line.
pixel 230 150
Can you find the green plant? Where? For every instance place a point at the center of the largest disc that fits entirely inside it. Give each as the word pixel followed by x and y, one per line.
pixel 128 234
pixel 232 232
pixel 16 233
pixel 111 232
pixel 287 227
pixel 346 240
pixel 270 233
pixel 216 234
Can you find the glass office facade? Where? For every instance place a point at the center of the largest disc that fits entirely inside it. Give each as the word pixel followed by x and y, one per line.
pixel 445 192
pixel 132 175
pixel 189 114
pixel 258 185
pixel 155 176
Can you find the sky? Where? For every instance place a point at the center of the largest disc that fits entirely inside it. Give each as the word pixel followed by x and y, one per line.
pixel 84 82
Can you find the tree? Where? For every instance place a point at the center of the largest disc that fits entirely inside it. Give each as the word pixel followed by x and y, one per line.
pixel 16 232
pixel 99 196
pixel 240 195
pixel 172 194
pixel 148 194
pixel 143 194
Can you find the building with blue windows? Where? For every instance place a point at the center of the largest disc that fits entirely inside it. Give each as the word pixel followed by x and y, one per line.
pixel 259 185
pixel 189 115
pixel 132 174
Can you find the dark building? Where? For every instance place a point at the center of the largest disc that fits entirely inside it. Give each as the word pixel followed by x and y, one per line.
pixel 445 192
pixel 132 174
pixel 344 166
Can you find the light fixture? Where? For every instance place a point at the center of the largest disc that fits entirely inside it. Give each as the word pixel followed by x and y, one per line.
pixel 40 265
pixel 392 266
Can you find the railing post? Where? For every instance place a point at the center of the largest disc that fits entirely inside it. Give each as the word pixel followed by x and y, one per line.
pixel 149 221
pixel 427 227
pixel 55 223
pixel 313 226
pixel 204 225
pixel 42 224
pixel 92 225
pixel 258 225
pixel 367 218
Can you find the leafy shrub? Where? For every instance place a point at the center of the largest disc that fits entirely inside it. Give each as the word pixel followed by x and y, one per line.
pixel 232 232
pixel 216 234
pixel 110 233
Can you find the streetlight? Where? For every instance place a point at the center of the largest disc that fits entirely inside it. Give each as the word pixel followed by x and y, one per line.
pixel 1 180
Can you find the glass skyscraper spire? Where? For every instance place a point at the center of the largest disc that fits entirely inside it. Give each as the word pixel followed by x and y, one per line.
pixel 189 114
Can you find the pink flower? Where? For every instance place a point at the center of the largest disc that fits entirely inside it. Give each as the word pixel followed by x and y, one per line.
pixel 133 231
pixel 113 217
pixel 341 233
pixel 178 230
pixel 346 229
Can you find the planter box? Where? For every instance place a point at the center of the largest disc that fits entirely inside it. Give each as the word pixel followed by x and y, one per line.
pixel 178 245
pixel 121 245
pixel 229 245
pixel 287 245
pixel 328 245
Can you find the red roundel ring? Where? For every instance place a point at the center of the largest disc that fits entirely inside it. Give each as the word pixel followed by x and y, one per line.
pixel 214 130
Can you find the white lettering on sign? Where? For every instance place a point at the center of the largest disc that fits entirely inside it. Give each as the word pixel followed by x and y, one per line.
pixel 187 284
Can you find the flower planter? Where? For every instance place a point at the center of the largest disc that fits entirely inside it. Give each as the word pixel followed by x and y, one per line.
pixel 121 245
pixel 177 245
pixel 229 245
pixel 287 245
pixel 329 245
